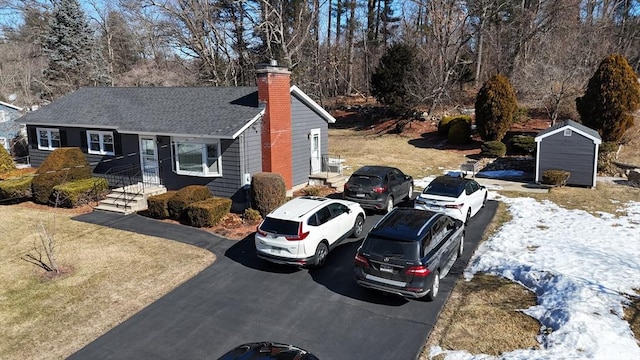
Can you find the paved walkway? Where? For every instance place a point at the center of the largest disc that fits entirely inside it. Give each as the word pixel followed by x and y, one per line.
pixel 512 185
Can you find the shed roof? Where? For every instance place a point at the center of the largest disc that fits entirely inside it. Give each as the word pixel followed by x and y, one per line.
pixel 575 126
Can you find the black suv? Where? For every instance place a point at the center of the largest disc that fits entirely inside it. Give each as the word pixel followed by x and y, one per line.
pixel 378 187
pixel 408 251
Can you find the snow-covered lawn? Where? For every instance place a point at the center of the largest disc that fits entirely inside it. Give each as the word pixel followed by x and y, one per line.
pixel 582 268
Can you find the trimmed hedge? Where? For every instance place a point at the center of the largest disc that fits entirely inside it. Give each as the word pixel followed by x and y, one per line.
pixel 268 191
pixel 459 133
pixel 185 197
pixel 447 121
pixel 493 149
pixel 6 162
pixel 522 145
pixel 158 205
pixel 555 177
pixel 51 173
pixel 209 212
pixel 80 192
pixel 16 190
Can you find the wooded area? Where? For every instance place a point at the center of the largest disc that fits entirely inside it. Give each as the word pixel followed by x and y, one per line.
pixel 547 48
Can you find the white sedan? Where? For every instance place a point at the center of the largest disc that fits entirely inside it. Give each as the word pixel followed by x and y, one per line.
pixel 303 231
pixel 458 197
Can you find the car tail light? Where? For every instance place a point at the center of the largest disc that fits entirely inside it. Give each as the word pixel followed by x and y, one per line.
pixel 454 206
pixel 380 189
pixel 300 236
pixel 259 231
pixel 419 271
pixel 346 186
pixel 361 260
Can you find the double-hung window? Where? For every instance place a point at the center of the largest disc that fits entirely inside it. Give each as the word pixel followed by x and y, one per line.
pixel 197 157
pixel 100 142
pixel 48 139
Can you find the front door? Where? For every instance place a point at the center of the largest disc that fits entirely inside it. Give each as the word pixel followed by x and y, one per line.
pixel 316 158
pixel 149 160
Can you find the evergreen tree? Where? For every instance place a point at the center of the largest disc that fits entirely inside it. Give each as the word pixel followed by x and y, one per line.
pixel 74 59
pixel 496 105
pixel 612 95
pixel 388 82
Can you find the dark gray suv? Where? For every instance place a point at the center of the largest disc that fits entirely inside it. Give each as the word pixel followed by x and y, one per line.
pixel 408 251
pixel 378 187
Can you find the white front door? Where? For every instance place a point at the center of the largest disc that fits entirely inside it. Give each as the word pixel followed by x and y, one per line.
pixel 316 157
pixel 149 160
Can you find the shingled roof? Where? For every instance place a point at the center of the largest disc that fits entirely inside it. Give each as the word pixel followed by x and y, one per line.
pixel 586 131
pixel 206 111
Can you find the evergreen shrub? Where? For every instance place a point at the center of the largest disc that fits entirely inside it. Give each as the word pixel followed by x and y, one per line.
pixel 185 197
pixel 209 212
pixel 158 205
pixel 268 191
pixel 80 192
pixel 62 165
pixel 493 149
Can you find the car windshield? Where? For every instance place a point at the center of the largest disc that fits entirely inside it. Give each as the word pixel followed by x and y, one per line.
pixel 444 189
pixel 391 248
pixel 366 181
pixel 279 226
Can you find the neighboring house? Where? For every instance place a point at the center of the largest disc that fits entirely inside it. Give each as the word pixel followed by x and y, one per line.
pixel 569 146
pixel 8 128
pixel 214 136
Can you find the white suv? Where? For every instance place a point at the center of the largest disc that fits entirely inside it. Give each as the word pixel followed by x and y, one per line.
pixel 304 230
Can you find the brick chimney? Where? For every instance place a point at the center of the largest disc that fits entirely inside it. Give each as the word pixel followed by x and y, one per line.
pixel 274 83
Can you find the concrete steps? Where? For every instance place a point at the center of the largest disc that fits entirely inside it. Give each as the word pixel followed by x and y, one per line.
pixel 129 199
pixel 333 180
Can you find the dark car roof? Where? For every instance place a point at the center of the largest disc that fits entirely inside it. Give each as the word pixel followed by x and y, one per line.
pixel 374 170
pixel 405 224
pixel 452 180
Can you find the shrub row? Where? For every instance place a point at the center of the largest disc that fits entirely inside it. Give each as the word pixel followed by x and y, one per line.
pixel 17 173
pixel 209 212
pixel 79 192
pixel 15 190
pixel 193 204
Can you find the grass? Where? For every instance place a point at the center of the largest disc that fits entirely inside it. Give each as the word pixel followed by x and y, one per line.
pixel 482 315
pixel 110 275
pixel 392 150
pixel 632 315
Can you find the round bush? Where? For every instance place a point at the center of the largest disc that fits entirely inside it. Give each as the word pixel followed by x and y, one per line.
pixel 459 133
pixel 522 145
pixel 268 191
pixel 493 149
pixel 447 121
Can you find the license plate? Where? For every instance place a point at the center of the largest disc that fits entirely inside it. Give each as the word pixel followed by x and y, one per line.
pixel 359 195
pixel 386 268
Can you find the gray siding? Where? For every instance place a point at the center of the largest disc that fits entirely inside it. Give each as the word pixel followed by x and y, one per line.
pixel 303 120
pixel 575 153
pixel 225 186
pixel 125 146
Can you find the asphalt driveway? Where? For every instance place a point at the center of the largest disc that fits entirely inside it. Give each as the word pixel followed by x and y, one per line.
pixel 241 299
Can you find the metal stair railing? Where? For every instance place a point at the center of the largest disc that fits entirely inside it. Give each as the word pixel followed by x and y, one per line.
pixel 332 164
pixel 125 176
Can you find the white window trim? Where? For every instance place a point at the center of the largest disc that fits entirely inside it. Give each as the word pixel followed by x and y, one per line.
pixel 205 169
pixel 101 134
pixel 49 132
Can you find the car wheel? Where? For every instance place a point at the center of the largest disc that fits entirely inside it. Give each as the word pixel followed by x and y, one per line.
pixel 389 205
pixel 466 221
pixel 321 254
pixel 461 247
pixel 358 227
pixel 410 194
pixel 435 287
pixel 484 202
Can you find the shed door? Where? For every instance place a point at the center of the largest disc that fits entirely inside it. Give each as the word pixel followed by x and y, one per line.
pixel 316 157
